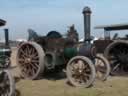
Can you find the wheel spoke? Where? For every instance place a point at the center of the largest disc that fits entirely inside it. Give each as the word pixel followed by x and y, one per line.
pixel 87 71
pixel 73 66
pixel 102 70
pixel 115 67
pixel 30 51
pixel 33 51
pixel 35 56
pixel 27 50
pixel 22 51
pixel 21 60
pixel 34 61
pixel 35 66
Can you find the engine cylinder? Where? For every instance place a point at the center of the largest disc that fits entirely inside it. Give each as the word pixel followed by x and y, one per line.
pixel 87 50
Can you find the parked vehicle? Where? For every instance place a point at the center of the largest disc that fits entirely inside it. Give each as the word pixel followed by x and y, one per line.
pixel 115 48
pixel 7 86
pixel 55 52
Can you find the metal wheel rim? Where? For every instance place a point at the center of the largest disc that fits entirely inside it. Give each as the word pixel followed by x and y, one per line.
pixel 85 73
pixel 30 58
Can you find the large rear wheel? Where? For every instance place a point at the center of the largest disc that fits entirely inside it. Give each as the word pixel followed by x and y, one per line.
pixel 117 53
pixel 30 58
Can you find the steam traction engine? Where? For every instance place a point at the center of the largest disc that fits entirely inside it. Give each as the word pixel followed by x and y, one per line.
pixel 7 87
pixel 115 49
pixel 43 53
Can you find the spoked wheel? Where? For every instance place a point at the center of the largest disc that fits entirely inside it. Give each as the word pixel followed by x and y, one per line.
pixel 117 54
pixel 30 58
pixel 102 67
pixel 7 86
pixel 80 71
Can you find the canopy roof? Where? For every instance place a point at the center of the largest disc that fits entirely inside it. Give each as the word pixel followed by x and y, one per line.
pixel 113 27
pixel 2 22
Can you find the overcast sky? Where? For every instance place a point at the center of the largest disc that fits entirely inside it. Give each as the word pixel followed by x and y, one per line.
pixel 46 15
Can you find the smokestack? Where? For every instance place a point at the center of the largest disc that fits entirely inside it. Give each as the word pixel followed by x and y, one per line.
pixel 6 37
pixel 87 23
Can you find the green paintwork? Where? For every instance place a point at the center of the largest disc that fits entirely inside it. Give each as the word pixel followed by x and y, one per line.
pixel 70 52
pixel 4 53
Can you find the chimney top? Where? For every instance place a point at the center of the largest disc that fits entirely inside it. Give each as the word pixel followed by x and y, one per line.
pixel 86 10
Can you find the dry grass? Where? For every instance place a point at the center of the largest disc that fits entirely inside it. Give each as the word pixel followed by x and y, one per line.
pixel 114 86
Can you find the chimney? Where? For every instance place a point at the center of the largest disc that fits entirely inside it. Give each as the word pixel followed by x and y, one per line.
pixel 6 38
pixel 87 23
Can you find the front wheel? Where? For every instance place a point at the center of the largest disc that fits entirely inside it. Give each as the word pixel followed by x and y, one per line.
pixel 80 71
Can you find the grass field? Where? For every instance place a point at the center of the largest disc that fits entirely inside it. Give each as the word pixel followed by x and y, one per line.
pixel 114 86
